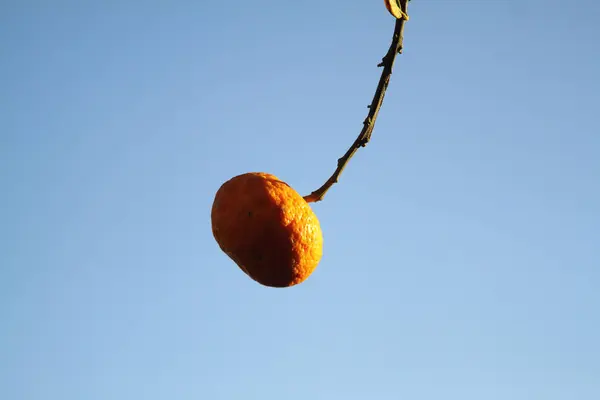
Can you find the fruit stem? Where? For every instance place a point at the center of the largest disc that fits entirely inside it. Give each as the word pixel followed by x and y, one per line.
pixel 369 123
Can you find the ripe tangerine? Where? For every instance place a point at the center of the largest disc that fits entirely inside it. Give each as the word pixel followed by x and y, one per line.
pixel 267 229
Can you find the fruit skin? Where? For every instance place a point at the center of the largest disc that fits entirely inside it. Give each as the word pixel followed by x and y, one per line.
pixel 267 229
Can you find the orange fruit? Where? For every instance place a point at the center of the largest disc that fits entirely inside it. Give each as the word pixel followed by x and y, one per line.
pixel 267 229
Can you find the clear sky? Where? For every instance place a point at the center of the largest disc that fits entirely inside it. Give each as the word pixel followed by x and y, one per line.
pixel 462 245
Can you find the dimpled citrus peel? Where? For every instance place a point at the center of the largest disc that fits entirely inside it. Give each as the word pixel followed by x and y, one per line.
pixel 267 229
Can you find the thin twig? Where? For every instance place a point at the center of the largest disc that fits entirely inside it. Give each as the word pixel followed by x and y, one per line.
pixel 369 123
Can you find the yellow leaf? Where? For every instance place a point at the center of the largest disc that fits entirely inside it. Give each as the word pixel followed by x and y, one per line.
pixel 393 7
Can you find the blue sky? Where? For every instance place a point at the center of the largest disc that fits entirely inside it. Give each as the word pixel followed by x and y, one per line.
pixel 461 255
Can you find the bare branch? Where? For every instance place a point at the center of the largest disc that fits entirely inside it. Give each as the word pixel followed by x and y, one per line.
pixel 369 123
